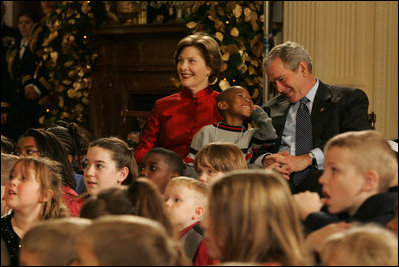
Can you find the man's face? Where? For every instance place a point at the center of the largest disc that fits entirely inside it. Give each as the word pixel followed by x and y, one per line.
pixel 287 82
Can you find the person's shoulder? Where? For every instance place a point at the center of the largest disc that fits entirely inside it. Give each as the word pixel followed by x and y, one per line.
pixel 339 89
pixel 170 98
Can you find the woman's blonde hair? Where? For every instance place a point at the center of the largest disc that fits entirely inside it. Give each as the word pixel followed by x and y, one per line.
pixel 223 157
pixel 47 173
pixel 370 151
pixel 363 245
pixel 253 219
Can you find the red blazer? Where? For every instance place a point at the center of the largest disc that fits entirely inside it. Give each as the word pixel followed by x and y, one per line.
pixel 175 119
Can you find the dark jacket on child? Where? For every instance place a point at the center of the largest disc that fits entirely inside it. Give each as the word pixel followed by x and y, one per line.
pixel 376 209
pixel 10 238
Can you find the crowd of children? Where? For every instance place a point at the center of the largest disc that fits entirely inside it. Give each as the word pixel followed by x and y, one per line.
pixel 231 213
pixel 69 200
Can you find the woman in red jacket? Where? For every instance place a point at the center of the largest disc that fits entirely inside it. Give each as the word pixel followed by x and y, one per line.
pixel 176 118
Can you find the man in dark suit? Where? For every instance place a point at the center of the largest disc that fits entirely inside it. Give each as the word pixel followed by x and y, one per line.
pixel 331 110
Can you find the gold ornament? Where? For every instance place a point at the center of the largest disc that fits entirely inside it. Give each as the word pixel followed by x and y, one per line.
pixel 67 82
pixel 226 56
pixel 85 101
pixel 191 25
pixel 86 7
pixel 219 36
pixel 247 14
pixel 254 62
pixel 224 66
pixel 255 93
pixel 224 84
pixel 251 70
pixel 71 93
pixel 54 56
pixel 68 64
pixel 237 11
pixel 219 25
pixel 243 68
pixel 60 101
pixel 234 32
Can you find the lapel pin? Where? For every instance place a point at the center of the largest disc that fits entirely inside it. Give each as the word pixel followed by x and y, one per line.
pixel 322 109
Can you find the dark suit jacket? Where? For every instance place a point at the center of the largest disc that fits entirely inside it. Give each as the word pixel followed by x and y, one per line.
pixel 335 110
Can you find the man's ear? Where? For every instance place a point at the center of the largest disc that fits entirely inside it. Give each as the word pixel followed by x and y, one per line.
pixel 123 175
pixel 372 180
pixel 199 211
pixel 222 105
pixel 46 196
pixel 303 68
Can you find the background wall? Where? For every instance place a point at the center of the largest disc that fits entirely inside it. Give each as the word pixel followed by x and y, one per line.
pixel 353 43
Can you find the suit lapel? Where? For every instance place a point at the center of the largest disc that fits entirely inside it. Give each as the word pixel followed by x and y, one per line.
pixel 321 104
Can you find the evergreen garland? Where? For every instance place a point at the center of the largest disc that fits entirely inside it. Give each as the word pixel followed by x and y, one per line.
pixel 238 27
pixel 69 57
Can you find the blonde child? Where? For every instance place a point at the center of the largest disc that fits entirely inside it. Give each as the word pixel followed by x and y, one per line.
pixel 7 162
pixel 358 169
pixel 185 200
pixel 251 218
pixel 127 240
pixel 362 245
pixel 236 107
pixel 215 159
pixel 109 162
pixel 51 243
pixel 160 165
pixel 34 194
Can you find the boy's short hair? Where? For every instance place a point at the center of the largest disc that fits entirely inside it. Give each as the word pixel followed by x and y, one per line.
pixel 126 240
pixel 225 96
pixel 7 162
pixel 370 151
pixel 222 157
pixel 54 241
pixel 367 245
pixel 200 188
pixel 172 159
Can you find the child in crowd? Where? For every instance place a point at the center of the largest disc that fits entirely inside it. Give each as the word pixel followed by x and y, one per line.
pixel 75 142
pixel 160 165
pixel 236 106
pixel 142 198
pixel 362 245
pixel 40 143
pixel 214 159
pixel 358 169
pixel 51 243
pixel 34 194
pixel 127 240
pixel 251 218
pixel 185 200
pixel 109 162
pixel 7 162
